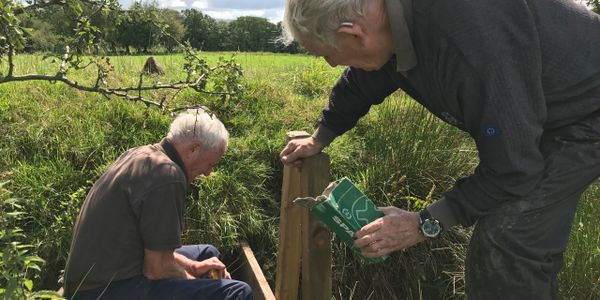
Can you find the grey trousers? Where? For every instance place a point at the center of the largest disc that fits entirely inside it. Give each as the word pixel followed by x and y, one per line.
pixel 516 251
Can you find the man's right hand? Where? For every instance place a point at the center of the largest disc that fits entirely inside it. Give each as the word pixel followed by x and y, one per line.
pixel 299 148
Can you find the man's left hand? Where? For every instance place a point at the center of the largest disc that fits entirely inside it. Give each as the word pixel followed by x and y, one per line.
pixel 397 230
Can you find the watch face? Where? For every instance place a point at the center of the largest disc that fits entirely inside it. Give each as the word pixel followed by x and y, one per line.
pixel 431 228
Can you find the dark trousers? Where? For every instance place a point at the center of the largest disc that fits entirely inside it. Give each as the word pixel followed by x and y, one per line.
pixel 516 252
pixel 175 288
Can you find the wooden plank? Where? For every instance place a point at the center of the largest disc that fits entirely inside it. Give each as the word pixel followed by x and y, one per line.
pixel 316 238
pixel 254 276
pixel 287 277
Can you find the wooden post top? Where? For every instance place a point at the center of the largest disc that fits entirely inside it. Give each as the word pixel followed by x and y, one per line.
pixel 292 135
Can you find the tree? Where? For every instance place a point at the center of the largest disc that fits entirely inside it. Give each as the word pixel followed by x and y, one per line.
pixel 43 36
pixel 202 31
pixel 137 28
pixel 175 30
pixel 108 37
pixel 253 34
pixel 223 36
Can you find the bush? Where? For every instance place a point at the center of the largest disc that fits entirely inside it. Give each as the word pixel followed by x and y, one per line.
pixel 19 264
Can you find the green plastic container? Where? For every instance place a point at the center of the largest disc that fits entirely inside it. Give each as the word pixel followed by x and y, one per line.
pixel 345 210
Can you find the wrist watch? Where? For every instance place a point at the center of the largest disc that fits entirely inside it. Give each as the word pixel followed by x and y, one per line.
pixel 430 227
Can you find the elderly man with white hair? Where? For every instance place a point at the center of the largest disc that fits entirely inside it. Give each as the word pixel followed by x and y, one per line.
pixel 127 238
pixel 521 77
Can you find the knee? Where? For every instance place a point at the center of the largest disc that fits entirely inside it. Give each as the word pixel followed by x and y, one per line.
pixel 212 251
pixel 239 290
pixel 245 291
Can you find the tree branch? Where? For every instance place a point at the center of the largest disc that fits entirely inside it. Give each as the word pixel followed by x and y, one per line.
pixel 44 4
pixel 119 92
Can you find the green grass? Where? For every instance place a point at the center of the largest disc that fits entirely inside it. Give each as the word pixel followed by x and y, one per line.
pixel 580 277
pixel 57 141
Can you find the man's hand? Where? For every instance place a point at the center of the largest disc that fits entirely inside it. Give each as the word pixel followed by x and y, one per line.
pixel 397 230
pixel 201 268
pixel 299 148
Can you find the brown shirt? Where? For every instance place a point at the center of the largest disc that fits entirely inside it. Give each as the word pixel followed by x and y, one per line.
pixel 137 203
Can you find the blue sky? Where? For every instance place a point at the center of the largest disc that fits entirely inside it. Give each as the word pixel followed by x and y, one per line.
pixel 226 9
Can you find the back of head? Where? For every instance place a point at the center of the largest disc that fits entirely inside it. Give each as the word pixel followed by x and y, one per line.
pixel 198 126
pixel 318 20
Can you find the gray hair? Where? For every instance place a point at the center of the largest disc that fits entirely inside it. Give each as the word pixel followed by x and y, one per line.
pixel 318 20
pixel 196 125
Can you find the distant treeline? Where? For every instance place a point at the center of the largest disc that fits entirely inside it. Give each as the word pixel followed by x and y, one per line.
pixel 135 30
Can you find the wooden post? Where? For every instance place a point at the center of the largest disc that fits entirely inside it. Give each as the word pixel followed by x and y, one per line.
pixel 316 238
pixel 303 241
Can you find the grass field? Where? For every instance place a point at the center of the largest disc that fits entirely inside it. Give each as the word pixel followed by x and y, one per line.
pixel 56 141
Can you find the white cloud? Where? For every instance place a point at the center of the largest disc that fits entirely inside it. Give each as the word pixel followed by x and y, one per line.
pixel 273 15
pixel 200 4
pixel 226 9
pixel 172 3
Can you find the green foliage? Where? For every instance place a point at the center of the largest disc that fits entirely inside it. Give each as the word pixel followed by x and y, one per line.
pixel 204 32
pixel 174 28
pixel 253 34
pixel 595 5
pixel 12 37
pixel 309 81
pixel 580 278
pixel 19 264
pixel 137 29
pixel 42 37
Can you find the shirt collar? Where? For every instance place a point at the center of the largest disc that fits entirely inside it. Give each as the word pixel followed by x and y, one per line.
pixel 401 21
pixel 172 154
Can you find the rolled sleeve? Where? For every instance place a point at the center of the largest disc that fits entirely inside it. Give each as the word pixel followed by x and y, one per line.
pixel 161 217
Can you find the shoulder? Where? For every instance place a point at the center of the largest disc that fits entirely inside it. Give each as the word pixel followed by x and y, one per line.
pixel 482 19
pixel 481 32
pixel 152 163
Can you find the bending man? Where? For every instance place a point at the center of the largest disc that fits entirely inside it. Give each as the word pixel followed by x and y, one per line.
pixel 522 77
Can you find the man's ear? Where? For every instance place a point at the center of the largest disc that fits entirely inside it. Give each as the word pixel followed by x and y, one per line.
pixel 352 30
pixel 197 148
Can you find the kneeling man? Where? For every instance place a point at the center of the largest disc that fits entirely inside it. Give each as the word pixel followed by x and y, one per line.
pixel 127 239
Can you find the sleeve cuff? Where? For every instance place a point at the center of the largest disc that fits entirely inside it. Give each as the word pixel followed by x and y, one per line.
pixel 441 211
pixel 324 135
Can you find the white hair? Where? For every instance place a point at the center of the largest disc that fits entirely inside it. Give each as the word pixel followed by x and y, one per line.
pixel 196 125
pixel 318 20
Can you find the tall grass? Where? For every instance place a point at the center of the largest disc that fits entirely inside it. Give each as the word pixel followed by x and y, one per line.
pixel 401 155
pixel 57 141
pixel 580 277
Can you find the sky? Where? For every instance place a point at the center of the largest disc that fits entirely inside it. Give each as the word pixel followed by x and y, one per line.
pixel 226 9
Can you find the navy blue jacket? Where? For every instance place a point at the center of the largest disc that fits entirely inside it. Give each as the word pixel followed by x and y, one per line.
pixel 503 71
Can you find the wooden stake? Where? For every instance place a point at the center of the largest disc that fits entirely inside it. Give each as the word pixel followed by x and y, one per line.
pixel 303 241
